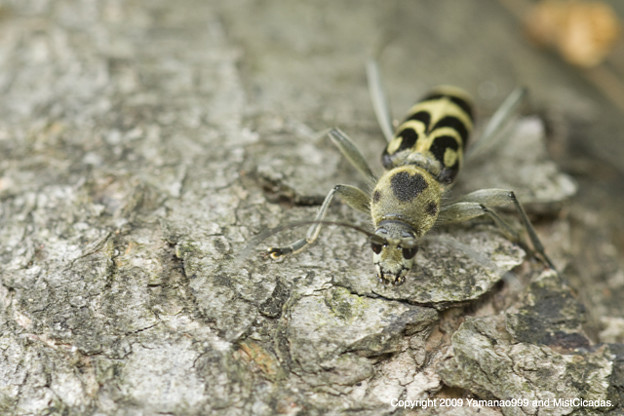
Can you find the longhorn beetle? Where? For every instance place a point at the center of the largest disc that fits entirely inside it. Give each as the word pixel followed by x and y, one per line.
pixel 422 159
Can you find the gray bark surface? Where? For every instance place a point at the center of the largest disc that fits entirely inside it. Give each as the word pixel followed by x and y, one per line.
pixel 143 146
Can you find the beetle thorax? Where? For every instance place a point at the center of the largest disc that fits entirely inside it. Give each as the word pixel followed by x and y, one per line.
pixel 407 194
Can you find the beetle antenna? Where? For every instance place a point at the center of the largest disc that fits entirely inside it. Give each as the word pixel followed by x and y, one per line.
pixel 257 239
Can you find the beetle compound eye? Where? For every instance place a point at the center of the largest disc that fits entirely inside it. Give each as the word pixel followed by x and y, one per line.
pixel 410 252
pixel 376 248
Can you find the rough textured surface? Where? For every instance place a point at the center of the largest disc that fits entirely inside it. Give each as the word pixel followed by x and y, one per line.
pixel 538 354
pixel 143 144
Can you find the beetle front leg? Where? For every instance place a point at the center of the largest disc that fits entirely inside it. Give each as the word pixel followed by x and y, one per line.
pixel 352 196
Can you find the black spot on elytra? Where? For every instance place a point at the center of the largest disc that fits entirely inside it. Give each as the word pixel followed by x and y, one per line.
pixel 422 116
pixel 406 187
pixel 439 146
pixel 454 123
pixel 464 105
pixel 376 196
pixel 432 208
pixel 460 102
pixel 408 138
